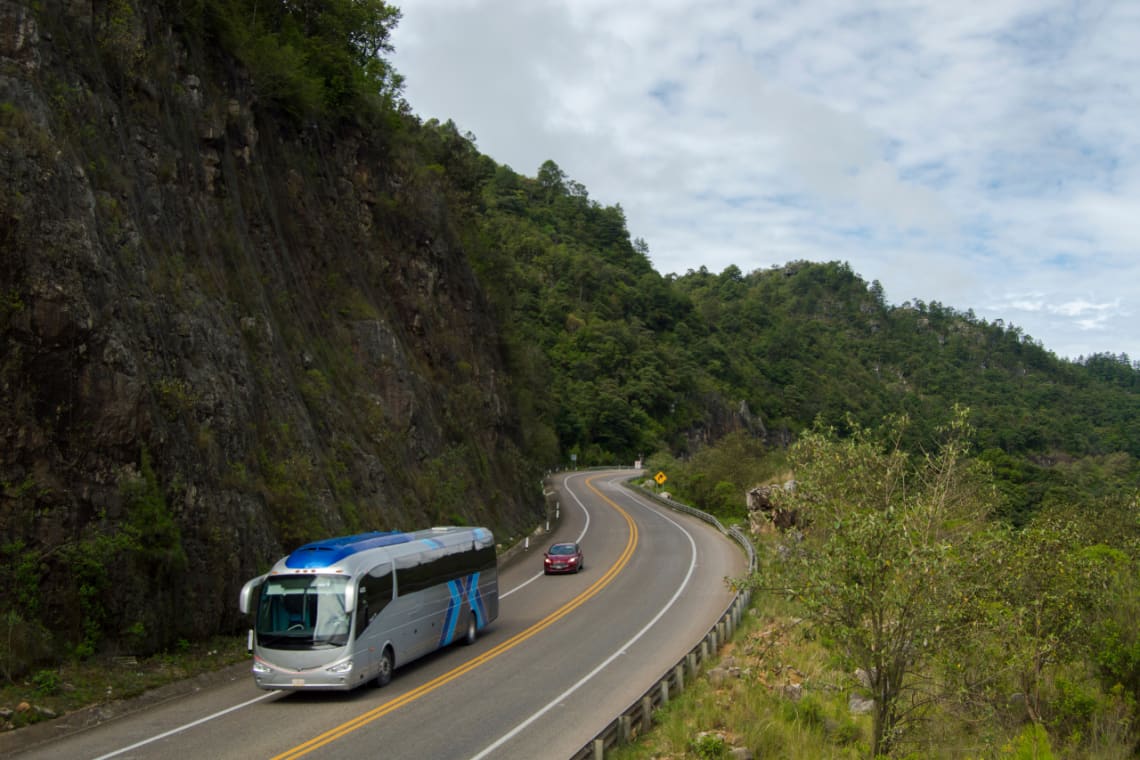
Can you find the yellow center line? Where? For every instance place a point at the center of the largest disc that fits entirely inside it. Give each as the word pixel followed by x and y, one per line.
pixel 404 699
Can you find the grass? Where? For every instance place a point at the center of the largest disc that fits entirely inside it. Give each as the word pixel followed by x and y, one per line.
pixel 77 684
pixel 769 660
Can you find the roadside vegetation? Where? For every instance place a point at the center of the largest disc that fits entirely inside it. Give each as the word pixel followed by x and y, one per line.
pixel 74 684
pixel 904 617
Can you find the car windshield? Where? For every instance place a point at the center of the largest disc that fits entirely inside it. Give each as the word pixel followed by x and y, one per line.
pixel 563 549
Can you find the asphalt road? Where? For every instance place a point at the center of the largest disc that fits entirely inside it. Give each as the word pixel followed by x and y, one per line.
pixel 565 656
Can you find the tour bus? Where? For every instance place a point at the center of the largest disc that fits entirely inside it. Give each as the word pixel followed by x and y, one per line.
pixel 341 612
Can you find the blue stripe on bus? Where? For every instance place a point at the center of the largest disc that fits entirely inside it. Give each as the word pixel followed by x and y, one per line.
pixel 452 616
pixel 462 590
pixel 475 600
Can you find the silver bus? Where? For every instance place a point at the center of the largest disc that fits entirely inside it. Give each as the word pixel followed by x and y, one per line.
pixel 345 611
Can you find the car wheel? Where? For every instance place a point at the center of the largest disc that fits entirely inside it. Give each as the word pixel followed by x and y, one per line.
pixel 384 676
pixel 472 630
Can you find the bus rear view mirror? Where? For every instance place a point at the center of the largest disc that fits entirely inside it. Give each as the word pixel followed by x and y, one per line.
pixel 247 601
pixel 350 597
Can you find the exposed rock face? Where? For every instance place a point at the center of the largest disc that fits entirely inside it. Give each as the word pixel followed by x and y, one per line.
pixel 220 336
pixel 764 514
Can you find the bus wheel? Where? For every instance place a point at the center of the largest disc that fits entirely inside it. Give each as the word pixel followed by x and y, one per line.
pixel 384 676
pixel 469 638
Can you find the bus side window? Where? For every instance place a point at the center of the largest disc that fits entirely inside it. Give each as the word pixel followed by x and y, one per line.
pixel 363 617
pixel 375 594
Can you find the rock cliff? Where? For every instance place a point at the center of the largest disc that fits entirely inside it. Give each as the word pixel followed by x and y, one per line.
pixel 222 333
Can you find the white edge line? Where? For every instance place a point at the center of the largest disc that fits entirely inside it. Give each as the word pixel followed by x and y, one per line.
pixel 180 729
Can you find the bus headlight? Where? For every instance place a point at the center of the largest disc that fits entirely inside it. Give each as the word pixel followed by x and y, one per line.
pixel 341 667
pixel 261 668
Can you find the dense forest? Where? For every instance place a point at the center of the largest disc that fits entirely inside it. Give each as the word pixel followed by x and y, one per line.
pixel 728 380
pixel 636 363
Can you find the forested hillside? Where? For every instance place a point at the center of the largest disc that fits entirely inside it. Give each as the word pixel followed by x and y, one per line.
pixel 632 362
pixel 249 298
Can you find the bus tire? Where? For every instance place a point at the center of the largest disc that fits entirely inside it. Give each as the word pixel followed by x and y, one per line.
pixel 472 630
pixel 384 675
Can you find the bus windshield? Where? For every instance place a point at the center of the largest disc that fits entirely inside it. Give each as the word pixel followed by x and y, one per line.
pixel 303 612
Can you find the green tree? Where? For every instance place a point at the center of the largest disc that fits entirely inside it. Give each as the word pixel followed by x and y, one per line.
pixel 1043 601
pixel 313 56
pixel 551 179
pixel 879 570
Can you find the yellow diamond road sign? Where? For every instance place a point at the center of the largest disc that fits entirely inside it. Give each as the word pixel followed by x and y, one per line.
pixel 660 478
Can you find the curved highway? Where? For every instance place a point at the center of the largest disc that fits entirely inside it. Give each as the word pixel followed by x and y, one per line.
pixel 566 655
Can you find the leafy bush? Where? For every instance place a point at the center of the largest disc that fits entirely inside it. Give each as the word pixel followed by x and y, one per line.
pixel 47 682
pixel 23 644
pixel 846 734
pixel 710 746
pixel 1031 744
pixel 807 712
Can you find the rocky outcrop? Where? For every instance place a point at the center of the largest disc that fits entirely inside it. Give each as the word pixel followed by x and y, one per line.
pixel 221 334
pixel 765 513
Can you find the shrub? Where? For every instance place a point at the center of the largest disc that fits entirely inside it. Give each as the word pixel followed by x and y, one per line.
pixel 23 643
pixel 47 682
pixel 709 746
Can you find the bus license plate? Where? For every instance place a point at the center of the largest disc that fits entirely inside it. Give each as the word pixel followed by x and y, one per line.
pixel 298 681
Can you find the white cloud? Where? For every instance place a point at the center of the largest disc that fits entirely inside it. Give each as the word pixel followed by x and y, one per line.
pixel 982 153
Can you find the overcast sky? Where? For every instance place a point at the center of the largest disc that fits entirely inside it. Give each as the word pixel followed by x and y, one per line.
pixel 985 155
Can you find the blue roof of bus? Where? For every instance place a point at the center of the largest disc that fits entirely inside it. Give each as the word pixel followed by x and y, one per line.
pixel 332 550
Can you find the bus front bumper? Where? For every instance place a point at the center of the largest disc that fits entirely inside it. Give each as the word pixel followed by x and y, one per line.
pixel 338 677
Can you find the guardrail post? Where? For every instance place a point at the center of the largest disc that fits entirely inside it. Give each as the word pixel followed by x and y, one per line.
pixel 705 649
pixel 646 713
pixel 679 675
pixel 599 749
pixel 691 661
pixel 625 729
pixel 664 691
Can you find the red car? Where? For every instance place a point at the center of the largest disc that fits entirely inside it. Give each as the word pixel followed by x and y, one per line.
pixel 562 558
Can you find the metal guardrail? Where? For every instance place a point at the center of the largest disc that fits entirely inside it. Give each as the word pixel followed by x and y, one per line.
pixel 638 717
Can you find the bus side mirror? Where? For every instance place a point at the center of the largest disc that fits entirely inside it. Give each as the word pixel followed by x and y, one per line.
pixel 247 601
pixel 349 598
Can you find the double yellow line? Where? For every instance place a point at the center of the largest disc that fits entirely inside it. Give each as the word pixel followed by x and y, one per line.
pixel 411 696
